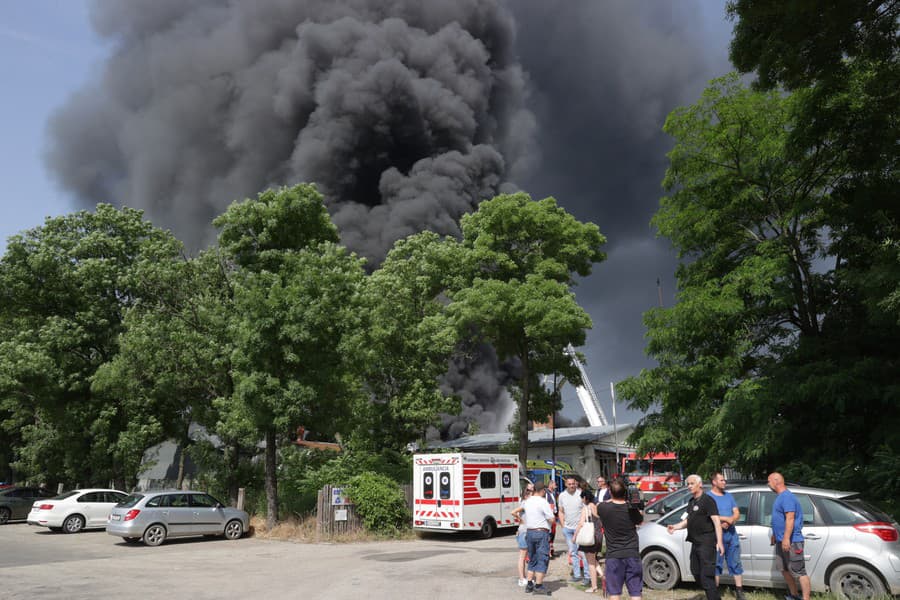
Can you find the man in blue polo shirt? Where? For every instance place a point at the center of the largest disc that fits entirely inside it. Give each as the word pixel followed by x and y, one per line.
pixel 728 518
pixel 787 537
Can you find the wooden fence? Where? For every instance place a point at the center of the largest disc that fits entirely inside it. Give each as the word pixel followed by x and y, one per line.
pixel 336 516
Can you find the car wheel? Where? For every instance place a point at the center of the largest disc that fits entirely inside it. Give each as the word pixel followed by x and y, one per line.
pixel 856 582
pixel 73 524
pixel 234 530
pixel 4 516
pixel 154 535
pixel 488 528
pixel 660 570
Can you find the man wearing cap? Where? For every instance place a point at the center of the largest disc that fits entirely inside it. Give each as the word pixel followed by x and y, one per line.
pixel 537 515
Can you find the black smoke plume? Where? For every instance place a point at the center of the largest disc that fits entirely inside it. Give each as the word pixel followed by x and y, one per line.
pixel 405 113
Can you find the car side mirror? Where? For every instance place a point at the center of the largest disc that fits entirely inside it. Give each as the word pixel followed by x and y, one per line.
pixel 218 505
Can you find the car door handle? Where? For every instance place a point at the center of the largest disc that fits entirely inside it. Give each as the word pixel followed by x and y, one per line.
pixel 741 536
pixel 811 536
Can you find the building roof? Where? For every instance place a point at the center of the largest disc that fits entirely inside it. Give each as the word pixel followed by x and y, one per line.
pixel 601 435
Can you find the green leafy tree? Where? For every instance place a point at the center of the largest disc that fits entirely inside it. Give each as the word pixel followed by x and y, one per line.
pixel 519 262
pixel 842 55
pixel 406 344
pixel 757 364
pixel 295 299
pixel 64 288
pixel 173 360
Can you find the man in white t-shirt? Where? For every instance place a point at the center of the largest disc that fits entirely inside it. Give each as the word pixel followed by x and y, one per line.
pixel 537 516
pixel 569 504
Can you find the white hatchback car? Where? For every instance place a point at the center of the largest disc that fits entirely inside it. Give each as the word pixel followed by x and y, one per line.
pixel 851 547
pixel 75 510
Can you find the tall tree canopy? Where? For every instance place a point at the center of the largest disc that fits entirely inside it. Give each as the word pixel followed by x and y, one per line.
pixel 64 289
pixel 767 357
pixel 519 263
pixel 296 297
pixel 843 56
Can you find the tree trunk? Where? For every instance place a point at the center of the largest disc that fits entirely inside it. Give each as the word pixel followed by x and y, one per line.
pixel 180 480
pixel 271 482
pixel 523 413
pixel 233 459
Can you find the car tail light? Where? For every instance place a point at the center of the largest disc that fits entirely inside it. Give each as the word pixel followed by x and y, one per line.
pixel 454 525
pixel 131 514
pixel 885 531
pixel 418 522
pixel 46 507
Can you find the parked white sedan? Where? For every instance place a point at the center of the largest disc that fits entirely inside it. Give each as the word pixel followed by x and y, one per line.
pixel 851 547
pixel 75 510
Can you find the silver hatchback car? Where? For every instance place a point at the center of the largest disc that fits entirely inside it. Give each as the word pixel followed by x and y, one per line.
pixel 851 547
pixel 152 517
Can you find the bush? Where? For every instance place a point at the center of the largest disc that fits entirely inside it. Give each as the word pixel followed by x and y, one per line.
pixel 302 474
pixel 379 501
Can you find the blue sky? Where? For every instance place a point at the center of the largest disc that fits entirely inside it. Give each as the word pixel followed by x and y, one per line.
pixel 47 49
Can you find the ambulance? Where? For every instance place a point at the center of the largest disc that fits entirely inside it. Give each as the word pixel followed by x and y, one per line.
pixel 465 492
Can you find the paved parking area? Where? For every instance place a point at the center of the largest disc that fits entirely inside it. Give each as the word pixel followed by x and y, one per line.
pixel 38 564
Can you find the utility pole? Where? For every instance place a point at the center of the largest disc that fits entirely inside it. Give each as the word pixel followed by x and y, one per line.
pixel 659 291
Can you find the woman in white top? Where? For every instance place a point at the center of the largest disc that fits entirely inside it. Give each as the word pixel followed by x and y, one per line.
pixel 589 513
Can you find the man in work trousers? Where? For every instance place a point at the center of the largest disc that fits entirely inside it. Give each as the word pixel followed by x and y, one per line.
pixel 569 504
pixel 537 515
pixel 729 514
pixel 787 537
pixel 704 534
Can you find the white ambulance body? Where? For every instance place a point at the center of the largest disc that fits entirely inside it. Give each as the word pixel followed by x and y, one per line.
pixel 465 492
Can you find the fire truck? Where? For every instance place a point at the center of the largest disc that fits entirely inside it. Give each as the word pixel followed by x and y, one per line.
pixel 653 473
pixel 460 491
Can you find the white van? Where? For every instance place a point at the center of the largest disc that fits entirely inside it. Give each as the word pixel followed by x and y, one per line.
pixel 465 492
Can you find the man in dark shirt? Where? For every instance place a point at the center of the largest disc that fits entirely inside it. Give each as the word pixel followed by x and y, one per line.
pixel 704 534
pixel 623 555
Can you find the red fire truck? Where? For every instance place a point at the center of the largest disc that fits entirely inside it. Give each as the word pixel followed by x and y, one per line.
pixel 653 473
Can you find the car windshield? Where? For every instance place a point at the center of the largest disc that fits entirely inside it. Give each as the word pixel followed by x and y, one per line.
pixel 130 501
pixel 674 517
pixel 637 467
pixel 65 495
pixel 663 466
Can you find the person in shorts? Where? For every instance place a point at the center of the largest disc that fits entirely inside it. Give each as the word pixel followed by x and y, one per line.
pixel 623 555
pixel 787 537
pixel 537 516
pixel 520 535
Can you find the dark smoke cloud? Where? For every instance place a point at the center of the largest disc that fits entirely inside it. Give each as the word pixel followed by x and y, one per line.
pixel 605 75
pixel 405 113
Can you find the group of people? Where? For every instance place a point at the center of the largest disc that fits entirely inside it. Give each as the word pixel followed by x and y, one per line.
pixel 611 519
pixel 710 523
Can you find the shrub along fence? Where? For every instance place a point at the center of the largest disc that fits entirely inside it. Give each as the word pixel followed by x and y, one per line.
pixel 335 515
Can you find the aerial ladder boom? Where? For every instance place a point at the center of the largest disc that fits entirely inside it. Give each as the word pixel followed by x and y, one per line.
pixel 595 415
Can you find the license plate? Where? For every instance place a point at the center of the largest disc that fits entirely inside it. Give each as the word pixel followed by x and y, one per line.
pixel 432 523
pixel 115 517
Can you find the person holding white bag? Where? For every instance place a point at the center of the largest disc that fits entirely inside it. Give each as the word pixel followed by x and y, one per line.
pixel 589 536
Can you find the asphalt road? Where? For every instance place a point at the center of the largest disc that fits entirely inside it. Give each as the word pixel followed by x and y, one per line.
pixel 38 564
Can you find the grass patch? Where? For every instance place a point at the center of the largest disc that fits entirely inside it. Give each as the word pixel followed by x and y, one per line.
pixel 303 530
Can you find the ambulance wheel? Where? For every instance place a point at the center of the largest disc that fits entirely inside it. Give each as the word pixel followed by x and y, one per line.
pixel 488 528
